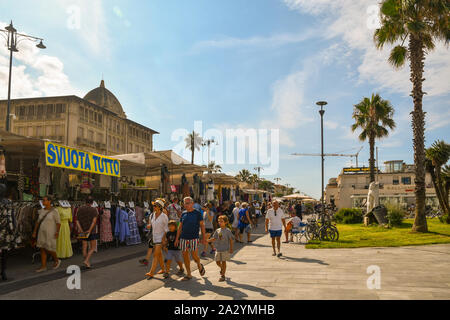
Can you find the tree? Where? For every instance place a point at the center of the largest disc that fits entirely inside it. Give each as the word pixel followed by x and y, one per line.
pixel 373 116
pixel 420 22
pixel 193 142
pixel 213 167
pixel 254 179
pixel 265 185
pixel 244 176
pixel 437 156
pixel 446 180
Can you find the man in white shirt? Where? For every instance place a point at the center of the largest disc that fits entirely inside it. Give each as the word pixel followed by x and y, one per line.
pixel 274 224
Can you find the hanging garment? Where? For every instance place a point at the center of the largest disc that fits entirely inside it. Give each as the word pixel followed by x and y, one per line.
pixel 134 237
pixel 63 244
pixel 122 229
pixel 210 193
pixel 139 216
pixel 9 237
pixel 105 226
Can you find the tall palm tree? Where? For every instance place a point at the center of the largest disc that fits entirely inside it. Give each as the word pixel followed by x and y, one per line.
pixel 373 116
pixel 421 23
pixel 438 155
pixel 213 167
pixel 244 175
pixel 254 179
pixel 193 142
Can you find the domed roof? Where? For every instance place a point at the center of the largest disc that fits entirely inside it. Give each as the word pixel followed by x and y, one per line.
pixel 106 99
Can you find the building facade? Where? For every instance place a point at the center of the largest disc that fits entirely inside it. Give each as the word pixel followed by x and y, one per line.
pixel 95 123
pixel 396 181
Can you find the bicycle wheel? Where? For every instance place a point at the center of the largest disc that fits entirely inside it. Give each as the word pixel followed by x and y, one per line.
pixel 311 232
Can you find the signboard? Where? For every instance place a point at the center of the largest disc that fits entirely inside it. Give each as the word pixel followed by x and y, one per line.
pixel 358 170
pixel 69 158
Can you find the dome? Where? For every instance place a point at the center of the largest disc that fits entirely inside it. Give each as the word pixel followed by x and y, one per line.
pixel 106 99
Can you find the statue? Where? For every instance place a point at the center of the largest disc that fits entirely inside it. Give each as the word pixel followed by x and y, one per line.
pixel 373 196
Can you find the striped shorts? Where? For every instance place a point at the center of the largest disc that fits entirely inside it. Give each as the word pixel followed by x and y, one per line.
pixel 189 244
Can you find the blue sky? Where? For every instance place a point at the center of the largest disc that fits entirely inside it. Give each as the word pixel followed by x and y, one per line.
pixel 230 64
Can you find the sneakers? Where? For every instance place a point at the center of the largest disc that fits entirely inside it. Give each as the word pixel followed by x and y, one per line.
pixel 144 262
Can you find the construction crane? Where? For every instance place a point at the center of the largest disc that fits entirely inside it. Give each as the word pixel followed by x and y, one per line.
pixel 330 155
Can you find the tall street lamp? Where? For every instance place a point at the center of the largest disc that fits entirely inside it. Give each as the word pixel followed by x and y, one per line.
pixel 321 111
pixel 12 40
pixel 208 143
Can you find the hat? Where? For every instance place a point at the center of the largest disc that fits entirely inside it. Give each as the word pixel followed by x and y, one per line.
pixel 159 202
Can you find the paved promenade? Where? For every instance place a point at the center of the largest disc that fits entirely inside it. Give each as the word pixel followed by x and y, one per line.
pixel 405 273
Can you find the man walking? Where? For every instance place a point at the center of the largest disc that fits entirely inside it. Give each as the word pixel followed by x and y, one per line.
pixel 274 224
pixel 188 238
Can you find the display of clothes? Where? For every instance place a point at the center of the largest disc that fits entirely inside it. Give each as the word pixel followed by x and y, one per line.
pixel 184 186
pixel 196 186
pixel 63 243
pixel 165 179
pixel 105 226
pixel 210 192
pixel 9 235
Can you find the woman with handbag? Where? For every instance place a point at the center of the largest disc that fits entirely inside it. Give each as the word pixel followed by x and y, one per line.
pixel 46 232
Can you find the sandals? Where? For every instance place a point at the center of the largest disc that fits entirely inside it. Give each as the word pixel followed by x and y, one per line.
pixel 149 276
pixel 186 278
pixel 222 278
pixel 202 270
pixel 180 272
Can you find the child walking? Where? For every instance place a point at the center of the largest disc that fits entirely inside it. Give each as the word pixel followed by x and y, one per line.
pixel 223 239
pixel 172 252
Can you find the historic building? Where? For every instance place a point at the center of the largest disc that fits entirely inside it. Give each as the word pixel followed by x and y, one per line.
pixel 94 123
pixel 396 181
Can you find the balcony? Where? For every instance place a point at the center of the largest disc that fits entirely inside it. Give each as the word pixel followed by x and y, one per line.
pixel 85 142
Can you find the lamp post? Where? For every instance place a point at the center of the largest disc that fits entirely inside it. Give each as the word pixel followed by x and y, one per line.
pixel 12 40
pixel 321 111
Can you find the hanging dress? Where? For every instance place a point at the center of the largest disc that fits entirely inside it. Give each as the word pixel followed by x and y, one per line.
pixel 105 226
pixel 134 237
pixel 63 244
pixel 9 237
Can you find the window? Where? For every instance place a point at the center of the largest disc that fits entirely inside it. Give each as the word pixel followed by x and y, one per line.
pixel 100 137
pixel 50 109
pixel 130 147
pixel 59 108
pixel 100 119
pixel 395 181
pixel 21 112
pixel 30 112
pixel 40 111
pixel 80 132
pixel 406 180
pixel 91 135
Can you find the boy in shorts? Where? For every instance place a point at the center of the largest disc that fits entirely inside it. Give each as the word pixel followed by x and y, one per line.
pixel 223 239
pixel 172 252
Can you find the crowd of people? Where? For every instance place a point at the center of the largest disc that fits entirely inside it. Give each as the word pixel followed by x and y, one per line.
pixel 175 232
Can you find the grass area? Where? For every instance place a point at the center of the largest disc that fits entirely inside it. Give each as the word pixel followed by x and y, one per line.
pixel 357 236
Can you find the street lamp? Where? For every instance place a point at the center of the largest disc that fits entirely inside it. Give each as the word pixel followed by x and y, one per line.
pixel 12 40
pixel 321 111
pixel 208 143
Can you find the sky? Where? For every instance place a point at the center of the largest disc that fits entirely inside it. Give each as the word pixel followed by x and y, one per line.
pixel 214 66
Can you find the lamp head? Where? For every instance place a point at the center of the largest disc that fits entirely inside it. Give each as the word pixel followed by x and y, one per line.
pixel 10 28
pixel 322 103
pixel 41 45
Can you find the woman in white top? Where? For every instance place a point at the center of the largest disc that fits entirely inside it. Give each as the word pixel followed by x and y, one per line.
pixel 236 220
pixel 159 225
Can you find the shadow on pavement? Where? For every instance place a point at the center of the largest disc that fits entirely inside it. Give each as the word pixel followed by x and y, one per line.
pixel 197 289
pixel 306 260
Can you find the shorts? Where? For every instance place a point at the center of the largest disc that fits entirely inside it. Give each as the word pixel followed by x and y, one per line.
pixel 275 233
pixel 189 244
pixel 174 255
pixel 222 256
pixel 92 236
pixel 208 230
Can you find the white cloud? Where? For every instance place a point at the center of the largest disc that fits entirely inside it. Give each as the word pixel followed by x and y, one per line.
pixel 270 41
pixel 348 19
pixel 34 74
pixel 330 124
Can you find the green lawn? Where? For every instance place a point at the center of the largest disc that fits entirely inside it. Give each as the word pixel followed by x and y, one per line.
pixel 357 235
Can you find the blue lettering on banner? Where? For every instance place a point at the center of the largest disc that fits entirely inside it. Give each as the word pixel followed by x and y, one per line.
pixel 66 159
pixel 95 162
pixel 51 158
pixel 87 164
pixel 101 167
pixel 82 159
pixel 74 159
pixel 60 155
pixel 116 167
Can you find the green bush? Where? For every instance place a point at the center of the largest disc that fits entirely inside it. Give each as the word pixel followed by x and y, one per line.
pixel 395 217
pixel 395 214
pixel 444 218
pixel 349 216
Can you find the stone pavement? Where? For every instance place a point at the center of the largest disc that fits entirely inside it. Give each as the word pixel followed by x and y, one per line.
pixel 419 272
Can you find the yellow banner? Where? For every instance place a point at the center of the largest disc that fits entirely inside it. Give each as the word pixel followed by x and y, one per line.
pixel 65 157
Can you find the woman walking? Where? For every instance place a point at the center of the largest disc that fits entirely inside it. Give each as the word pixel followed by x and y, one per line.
pixel 46 231
pixel 160 226
pixel 236 220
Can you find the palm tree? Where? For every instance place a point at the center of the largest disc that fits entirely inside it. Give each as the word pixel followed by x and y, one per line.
pixel 244 175
pixel 446 181
pixel 254 179
pixel 213 167
pixel 421 23
pixel 193 142
pixel 373 116
pixel 437 156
